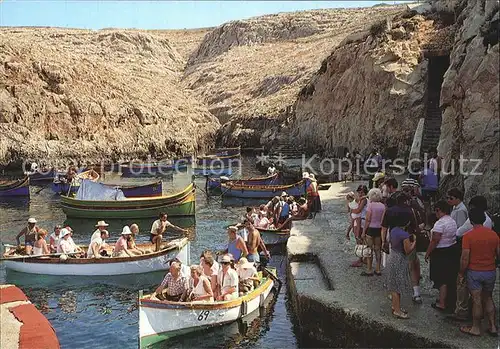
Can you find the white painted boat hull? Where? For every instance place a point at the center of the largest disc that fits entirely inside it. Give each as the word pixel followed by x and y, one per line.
pixel 104 269
pixel 158 324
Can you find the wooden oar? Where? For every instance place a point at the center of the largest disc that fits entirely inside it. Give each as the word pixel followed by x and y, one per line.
pixel 38 256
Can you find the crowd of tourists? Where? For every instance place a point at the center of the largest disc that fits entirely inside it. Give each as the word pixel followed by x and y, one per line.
pixel 458 242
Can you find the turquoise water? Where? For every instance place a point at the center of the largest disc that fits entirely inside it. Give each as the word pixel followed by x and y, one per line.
pixel 101 312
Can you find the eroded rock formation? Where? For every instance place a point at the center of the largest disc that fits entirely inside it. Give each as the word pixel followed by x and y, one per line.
pixel 249 72
pixel 470 98
pixel 92 95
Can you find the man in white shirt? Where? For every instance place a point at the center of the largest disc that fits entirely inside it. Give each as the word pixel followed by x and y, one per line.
pixel 101 226
pixel 459 213
pixel 227 280
pixel 480 202
pixel 159 227
pixel 95 247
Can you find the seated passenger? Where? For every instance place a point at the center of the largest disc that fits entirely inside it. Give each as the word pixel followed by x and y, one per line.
pixel 131 246
pixel 263 221
pixel 121 247
pixel 54 238
pixel 201 289
pixel 78 251
pixel 65 245
pixel 98 245
pixel 175 283
pixel 247 275
pixel 40 247
pixel 227 281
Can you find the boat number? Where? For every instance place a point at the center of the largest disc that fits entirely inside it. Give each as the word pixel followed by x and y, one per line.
pixel 203 315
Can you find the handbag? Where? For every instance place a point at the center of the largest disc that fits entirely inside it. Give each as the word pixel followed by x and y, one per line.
pixel 362 251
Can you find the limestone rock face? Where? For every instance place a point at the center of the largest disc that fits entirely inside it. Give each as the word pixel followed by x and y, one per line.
pixel 370 92
pixel 91 95
pixel 250 72
pixel 470 99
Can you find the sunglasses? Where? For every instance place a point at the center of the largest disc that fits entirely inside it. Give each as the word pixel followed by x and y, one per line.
pixel 450 198
pixel 225 262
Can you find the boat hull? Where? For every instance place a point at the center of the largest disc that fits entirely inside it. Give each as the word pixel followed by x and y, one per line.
pixel 212 172
pixel 151 170
pixel 153 189
pixel 219 161
pixel 274 237
pixel 223 152
pixel 213 184
pixel 156 318
pixel 179 204
pixel 15 188
pixel 101 266
pixel 41 177
pixel 264 191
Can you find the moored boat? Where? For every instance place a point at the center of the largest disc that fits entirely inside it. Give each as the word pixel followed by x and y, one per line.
pixel 263 191
pixel 54 265
pixel 161 320
pixel 19 187
pixel 61 185
pixel 218 161
pixel 151 169
pixel 213 184
pixel 95 200
pixel 41 176
pixel 212 172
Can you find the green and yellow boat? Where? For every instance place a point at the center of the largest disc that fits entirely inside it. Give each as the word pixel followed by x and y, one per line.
pixel 179 204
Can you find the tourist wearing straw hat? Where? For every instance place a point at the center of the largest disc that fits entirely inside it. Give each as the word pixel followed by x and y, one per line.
pixel 30 235
pixel 101 226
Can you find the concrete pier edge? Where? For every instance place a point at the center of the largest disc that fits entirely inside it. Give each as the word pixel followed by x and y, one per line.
pixel 336 306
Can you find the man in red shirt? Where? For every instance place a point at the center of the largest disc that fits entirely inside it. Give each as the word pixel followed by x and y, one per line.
pixel 480 246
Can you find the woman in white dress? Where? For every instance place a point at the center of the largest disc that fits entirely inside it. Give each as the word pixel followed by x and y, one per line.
pixel 201 290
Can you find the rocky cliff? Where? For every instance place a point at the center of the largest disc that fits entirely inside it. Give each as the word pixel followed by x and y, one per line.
pixel 470 98
pixel 371 91
pixel 249 72
pixel 77 94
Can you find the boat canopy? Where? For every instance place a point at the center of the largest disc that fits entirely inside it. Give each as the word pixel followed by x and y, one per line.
pixel 93 191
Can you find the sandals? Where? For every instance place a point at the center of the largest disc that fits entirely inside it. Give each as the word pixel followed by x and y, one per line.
pixel 400 315
pixel 467 330
pixel 417 299
pixel 366 274
pixel 437 307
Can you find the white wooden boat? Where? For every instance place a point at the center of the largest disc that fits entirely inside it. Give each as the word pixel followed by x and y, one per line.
pixel 54 265
pixel 161 320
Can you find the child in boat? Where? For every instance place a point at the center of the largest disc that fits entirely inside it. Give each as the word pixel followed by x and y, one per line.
pixel 354 218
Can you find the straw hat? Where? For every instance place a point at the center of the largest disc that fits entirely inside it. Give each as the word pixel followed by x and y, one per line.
pixel 244 263
pixel 32 220
pixel 378 176
pixel 232 228
pixel 102 224
pixel 126 230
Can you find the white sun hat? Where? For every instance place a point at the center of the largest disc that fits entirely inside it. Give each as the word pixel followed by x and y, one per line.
pixel 126 230
pixel 305 175
pixel 64 232
pixel 32 220
pixel 244 263
pixel 102 224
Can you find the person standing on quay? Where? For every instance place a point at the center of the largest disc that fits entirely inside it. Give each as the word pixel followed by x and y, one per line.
pixel 442 252
pixel 459 213
pixel 480 247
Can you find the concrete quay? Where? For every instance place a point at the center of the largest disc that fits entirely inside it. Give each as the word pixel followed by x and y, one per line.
pixel 335 305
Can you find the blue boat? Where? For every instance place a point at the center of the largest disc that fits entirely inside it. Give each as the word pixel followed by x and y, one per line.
pixel 218 161
pixel 41 176
pixel 263 191
pixel 212 172
pixel 213 184
pixel 146 169
pixel 19 187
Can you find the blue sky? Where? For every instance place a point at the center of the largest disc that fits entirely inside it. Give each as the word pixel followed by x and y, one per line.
pixel 149 14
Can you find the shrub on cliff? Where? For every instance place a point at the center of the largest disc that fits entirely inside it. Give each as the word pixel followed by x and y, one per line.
pixel 378 28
